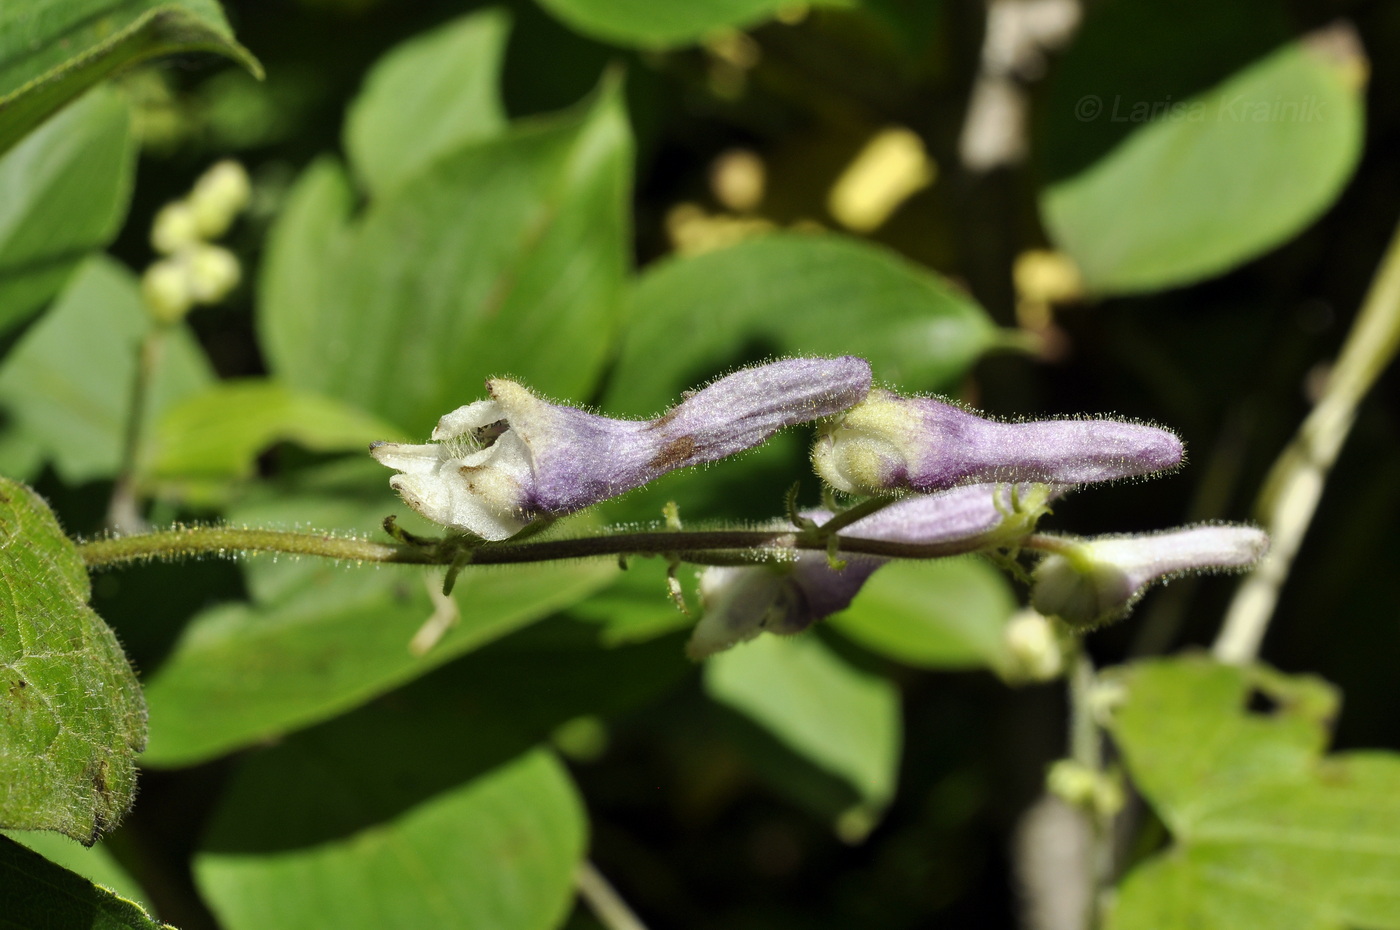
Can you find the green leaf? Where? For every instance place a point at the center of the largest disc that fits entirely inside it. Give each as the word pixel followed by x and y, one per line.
pixel 320 639
pixel 451 821
pixel 792 294
pixel 497 852
pixel 660 25
pixel 844 720
pixel 35 892
pixel 51 52
pixel 1228 173
pixel 67 384
pixel 426 98
pixel 507 255
pixel 1268 831
pixel 63 193
pixel 94 863
pixel 72 719
pixel 948 613
pixel 213 438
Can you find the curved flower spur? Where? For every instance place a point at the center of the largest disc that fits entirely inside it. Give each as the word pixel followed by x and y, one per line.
pixel 893 443
pixel 495 466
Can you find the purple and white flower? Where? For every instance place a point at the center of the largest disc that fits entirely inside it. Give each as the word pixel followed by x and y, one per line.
pixel 890 442
pixel 497 465
pixel 741 602
pixel 1092 581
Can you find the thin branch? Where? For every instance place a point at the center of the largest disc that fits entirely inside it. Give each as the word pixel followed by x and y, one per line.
pixel 183 542
pixel 124 508
pixel 1294 487
pixel 1086 748
pixel 699 546
pixel 603 900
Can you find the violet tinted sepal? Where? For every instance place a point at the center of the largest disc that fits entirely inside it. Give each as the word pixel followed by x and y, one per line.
pixel 742 602
pixel 497 465
pixel 891 443
pixel 1092 581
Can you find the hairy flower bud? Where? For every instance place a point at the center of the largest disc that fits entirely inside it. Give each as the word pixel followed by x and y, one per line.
pixel 741 602
pixel 1093 581
pixel 496 465
pixel 891 442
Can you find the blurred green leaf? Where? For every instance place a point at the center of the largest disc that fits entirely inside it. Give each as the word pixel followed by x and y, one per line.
pixel 1268 831
pixel 67 383
pixel 1209 181
pixel 426 98
pixel 63 193
pixel 318 809
pixel 636 607
pixel 72 719
pixel 496 852
pixel 94 863
pixel 213 438
pixel 947 613
pixel 792 294
pixel 844 720
pixel 51 52
pixel 659 25
pixel 35 892
pixel 507 255
pixel 320 639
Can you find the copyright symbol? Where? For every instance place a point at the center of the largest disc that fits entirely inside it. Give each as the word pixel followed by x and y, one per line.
pixel 1088 108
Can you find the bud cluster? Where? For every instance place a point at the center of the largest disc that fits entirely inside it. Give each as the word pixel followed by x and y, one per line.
pixel 193 269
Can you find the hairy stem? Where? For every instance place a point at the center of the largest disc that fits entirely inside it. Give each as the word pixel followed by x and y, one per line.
pixel 1294 487
pixel 701 546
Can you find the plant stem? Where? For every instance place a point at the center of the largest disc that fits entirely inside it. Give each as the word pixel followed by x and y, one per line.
pixel 700 546
pixel 123 510
pixel 603 900
pixel 1086 748
pixel 857 512
pixel 227 541
pixel 1294 487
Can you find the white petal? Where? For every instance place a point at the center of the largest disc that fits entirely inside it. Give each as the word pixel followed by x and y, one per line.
pixel 409 459
pixel 463 420
pixel 739 604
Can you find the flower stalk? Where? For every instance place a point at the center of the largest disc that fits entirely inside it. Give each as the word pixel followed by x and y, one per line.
pixel 703 547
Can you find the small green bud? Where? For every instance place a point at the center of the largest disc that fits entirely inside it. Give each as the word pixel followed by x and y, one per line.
pixel 165 287
pixel 1032 648
pixel 1097 793
pixel 218 197
pixel 212 272
pixel 174 228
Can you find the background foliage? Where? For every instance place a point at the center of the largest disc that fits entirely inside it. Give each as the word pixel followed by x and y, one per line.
pixel 615 201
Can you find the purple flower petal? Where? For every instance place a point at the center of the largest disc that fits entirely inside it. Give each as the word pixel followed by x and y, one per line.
pixel 924 444
pixel 741 602
pixel 496 465
pixel 1097 580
